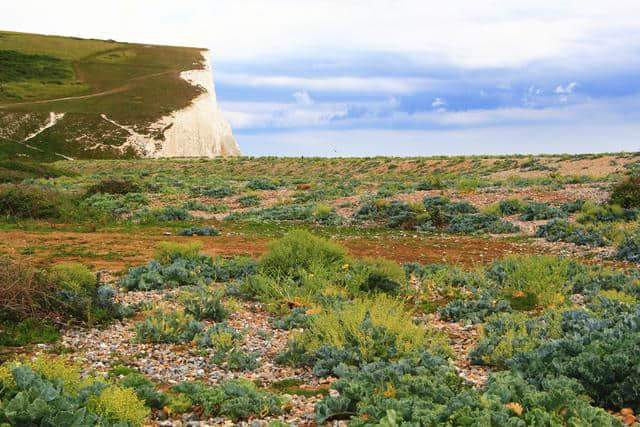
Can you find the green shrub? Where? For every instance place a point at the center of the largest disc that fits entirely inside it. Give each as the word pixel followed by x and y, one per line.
pixel 216 192
pixel 50 392
pixel 249 200
pixel 118 404
pixel 76 277
pixel 168 325
pixel 12 171
pixel 236 399
pixel 113 186
pixel 626 193
pixel 380 274
pixel 203 304
pixel 27 331
pixel 363 330
pixel 598 348
pixel 176 264
pixel 261 184
pixel 537 210
pixel 629 248
pixel 426 391
pixel 474 310
pixel 200 231
pixel 20 201
pixel 561 230
pixel 145 390
pixel 608 213
pixel 115 205
pixel 165 214
pixel 548 278
pixel 300 250
pixel 507 334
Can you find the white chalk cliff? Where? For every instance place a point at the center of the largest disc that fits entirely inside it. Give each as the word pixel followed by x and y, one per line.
pixel 199 130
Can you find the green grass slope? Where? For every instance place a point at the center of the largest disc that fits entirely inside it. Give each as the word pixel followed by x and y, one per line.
pixel 133 84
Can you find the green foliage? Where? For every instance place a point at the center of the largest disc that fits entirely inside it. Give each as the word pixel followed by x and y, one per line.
pixel 598 348
pixel 474 310
pixel 427 391
pixel 262 184
pixel 118 404
pixel 20 201
pixel 216 192
pixel 546 277
pixel 200 231
pixel 48 391
pixel 13 171
pixel 236 399
pixel 561 230
pixel 507 334
pixel 626 193
pixel 168 252
pixel 629 248
pixel 76 278
pixel 165 214
pixel 249 200
pixel 145 390
pixel 538 210
pixel 507 207
pixel 113 186
pixel 27 331
pixel 115 205
pixel 606 213
pixel 480 223
pixel 296 212
pixel 168 325
pixel 300 250
pixel 18 66
pixel 204 304
pixel 380 275
pixel 363 330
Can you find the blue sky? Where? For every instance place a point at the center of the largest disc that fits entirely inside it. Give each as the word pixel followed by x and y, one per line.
pixel 399 77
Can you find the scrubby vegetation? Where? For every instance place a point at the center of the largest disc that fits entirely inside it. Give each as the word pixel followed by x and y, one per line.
pixel 372 291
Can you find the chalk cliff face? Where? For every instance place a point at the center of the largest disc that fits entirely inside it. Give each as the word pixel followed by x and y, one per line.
pixel 200 130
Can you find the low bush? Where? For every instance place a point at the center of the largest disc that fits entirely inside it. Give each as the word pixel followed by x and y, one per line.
pixel 165 214
pixel 50 392
pixel 626 193
pixel 194 205
pixel 115 205
pixel 296 212
pixel 27 331
pixel 598 348
pixel 547 279
pixel 215 192
pixel 175 265
pixel 200 231
pixel 113 186
pixel 480 223
pixel 236 399
pixel 474 310
pixel 25 292
pixel 427 391
pixel 592 213
pixel 300 250
pixel 249 200
pixel 364 330
pixel 145 390
pixel 537 210
pixel 204 304
pixel 629 248
pixel 561 230
pixel 30 202
pixel 262 184
pixel 168 325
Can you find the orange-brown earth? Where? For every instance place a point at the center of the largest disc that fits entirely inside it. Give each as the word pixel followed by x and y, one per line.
pixel 115 251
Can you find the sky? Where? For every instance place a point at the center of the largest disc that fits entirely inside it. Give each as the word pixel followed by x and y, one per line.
pixel 393 77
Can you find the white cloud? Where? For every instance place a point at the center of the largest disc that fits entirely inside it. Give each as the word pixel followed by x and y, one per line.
pixel 379 85
pixel 566 89
pixel 438 102
pixel 303 98
pixel 464 32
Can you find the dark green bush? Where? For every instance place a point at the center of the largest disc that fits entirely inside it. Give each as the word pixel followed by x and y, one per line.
pixel 626 193
pixel 629 248
pixel 236 399
pixel 200 231
pixel 262 184
pixel 537 210
pixel 113 186
pixel 21 201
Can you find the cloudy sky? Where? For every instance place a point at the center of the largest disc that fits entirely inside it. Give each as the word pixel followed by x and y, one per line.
pixel 394 77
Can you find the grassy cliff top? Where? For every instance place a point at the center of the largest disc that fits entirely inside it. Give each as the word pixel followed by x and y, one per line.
pixel 134 83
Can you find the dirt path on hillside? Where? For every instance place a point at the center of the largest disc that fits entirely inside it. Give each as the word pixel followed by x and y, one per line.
pixel 116 251
pixel 113 91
